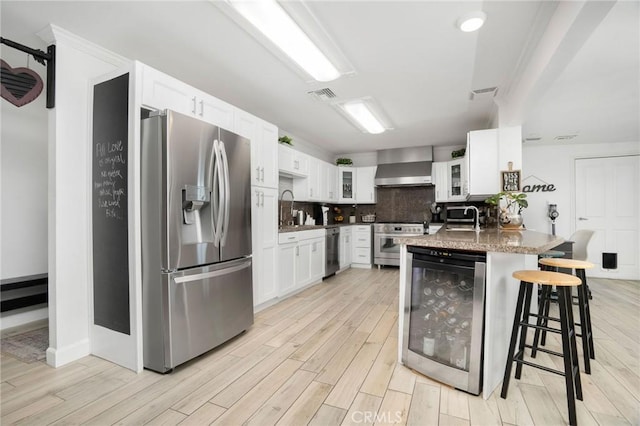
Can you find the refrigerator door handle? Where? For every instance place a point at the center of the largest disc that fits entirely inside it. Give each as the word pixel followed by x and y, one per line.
pixel 227 194
pixel 219 272
pixel 217 211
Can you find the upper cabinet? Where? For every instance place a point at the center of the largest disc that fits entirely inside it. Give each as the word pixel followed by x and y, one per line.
pixel 161 91
pixel 450 179
pixel 489 152
pixel 264 154
pixel 311 188
pixel 457 175
pixel 331 183
pixel 439 171
pixel 365 186
pixel 292 162
pixel 346 184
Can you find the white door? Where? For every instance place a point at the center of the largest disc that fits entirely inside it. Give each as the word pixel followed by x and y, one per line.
pixel 607 202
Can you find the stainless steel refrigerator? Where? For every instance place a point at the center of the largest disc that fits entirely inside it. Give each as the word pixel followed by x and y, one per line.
pixel 196 238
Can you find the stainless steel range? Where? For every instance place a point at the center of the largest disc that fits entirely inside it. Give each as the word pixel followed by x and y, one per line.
pixel 385 251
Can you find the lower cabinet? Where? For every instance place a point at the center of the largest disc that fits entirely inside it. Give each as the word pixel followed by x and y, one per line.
pixel 361 248
pixel 264 217
pixel 345 246
pixel 301 258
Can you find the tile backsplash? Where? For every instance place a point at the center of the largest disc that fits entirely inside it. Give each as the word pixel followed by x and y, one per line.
pixel 404 204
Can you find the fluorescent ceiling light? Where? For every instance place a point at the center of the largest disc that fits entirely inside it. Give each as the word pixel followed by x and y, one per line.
pixel 268 17
pixel 360 112
pixel 472 21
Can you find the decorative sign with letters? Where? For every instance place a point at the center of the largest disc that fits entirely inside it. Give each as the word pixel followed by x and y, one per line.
pixel 510 180
pixel 542 186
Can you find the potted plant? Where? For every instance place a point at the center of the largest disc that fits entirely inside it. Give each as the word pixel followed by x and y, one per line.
pixel 285 139
pixel 344 162
pixel 509 205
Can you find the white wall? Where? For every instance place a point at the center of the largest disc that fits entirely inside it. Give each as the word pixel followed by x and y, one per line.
pixel 556 165
pixel 23 185
pixel 24 177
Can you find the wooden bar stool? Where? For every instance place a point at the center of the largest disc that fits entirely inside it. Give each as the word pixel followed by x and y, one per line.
pixel 586 332
pixel 571 373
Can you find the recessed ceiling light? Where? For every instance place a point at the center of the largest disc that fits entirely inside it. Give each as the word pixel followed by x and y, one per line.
pixel 271 19
pixel 472 21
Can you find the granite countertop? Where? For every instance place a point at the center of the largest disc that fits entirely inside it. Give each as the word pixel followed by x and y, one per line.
pixel 495 240
pixel 296 228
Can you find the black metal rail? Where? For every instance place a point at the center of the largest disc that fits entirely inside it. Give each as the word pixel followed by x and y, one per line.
pixel 48 59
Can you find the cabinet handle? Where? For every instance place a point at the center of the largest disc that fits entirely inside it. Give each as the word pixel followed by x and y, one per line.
pixel 311 192
pixel 297 251
pixel 347 239
pixel 257 198
pixel 314 247
pixel 262 173
pixel 262 197
pixel 258 174
pixel 291 238
pixel 202 108
pixel 193 110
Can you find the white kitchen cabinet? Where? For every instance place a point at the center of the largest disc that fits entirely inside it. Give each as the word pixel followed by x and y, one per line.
pixel 300 260
pixel 331 180
pixel 286 268
pixel 303 263
pixel 264 218
pixel 346 184
pixel 311 188
pixel 365 185
pixel 345 246
pixel 458 183
pixel 161 91
pixel 317 260
pixel 291 162
pixel 361 247
pixel 439 172
pixel 450 178
pixel 482 157
pixel 264 154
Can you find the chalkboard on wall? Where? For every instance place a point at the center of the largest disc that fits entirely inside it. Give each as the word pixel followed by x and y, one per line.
pixel 110 144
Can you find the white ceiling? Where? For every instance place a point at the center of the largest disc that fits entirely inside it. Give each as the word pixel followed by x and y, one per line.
pixel 560 68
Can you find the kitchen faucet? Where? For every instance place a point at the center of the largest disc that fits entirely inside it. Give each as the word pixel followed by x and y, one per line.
pixel 292 199
pixel 477 225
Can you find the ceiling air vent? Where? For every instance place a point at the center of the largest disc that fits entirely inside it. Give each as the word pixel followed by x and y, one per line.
pixel 488 92
pixel 322 95
pixel 562 138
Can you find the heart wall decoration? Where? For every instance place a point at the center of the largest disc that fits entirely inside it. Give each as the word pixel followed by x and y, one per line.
pixel 20 85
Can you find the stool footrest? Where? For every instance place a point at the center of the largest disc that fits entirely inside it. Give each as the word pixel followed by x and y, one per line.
pixel 541 327
pixel 545 317
pixel 548 351
pixel 538 366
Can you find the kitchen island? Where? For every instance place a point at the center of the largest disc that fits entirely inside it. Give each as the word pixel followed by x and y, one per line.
pixel 506 252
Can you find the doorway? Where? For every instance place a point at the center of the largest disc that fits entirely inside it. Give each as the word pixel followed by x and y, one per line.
pixel 608 202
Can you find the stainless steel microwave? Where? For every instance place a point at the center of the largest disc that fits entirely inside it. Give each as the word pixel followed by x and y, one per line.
pixel 457 214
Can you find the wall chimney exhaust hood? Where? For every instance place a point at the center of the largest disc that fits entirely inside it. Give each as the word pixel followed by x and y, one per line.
pixel 404 166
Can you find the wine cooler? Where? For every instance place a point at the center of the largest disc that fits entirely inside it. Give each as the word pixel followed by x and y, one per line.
pixel 443 316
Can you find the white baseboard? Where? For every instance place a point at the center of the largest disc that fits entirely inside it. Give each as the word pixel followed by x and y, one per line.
pixel 10 320
pixel 57 357
pixel 362 265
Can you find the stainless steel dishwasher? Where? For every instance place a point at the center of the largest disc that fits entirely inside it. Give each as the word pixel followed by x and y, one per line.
pixel 332 262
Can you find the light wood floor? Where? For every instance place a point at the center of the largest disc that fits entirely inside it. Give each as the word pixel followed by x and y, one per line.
pixel 327 356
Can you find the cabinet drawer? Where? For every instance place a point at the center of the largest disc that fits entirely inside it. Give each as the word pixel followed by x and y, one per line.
pixel 361 255
pixel 362 228
pixel 362 239
pixel 287 237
